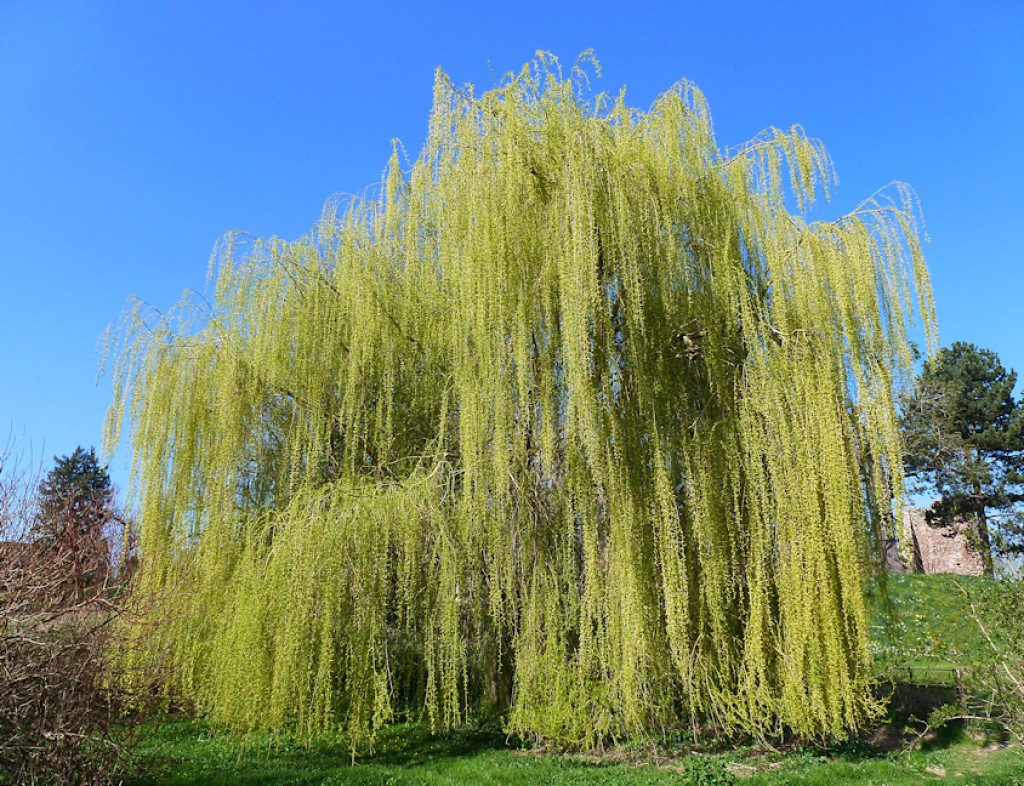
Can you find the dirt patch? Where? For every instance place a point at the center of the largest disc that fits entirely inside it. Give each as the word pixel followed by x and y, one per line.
pixel 887 737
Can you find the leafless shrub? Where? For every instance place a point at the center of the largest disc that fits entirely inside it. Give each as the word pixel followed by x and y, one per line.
pixel 996 670
pixel 60 718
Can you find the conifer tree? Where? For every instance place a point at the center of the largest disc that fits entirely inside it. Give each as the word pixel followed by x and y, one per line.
pixel 965 440
pixel 75 505
pixel 575 418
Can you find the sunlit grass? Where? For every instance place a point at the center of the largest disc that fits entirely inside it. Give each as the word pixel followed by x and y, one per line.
pixel 920 624
pixel 407 755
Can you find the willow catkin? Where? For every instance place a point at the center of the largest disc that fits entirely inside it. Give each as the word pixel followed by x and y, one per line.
pixel 577 419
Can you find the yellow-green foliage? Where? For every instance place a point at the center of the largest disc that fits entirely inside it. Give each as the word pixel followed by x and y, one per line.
pixel 577 418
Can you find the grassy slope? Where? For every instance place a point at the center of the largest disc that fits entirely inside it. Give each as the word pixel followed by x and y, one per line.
pixel 917 620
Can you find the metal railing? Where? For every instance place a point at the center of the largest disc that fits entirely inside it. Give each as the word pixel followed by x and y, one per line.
pixel 925 675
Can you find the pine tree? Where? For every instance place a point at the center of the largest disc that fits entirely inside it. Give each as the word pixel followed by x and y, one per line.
pixel 75 505
pixel 574 418
pixel 965 441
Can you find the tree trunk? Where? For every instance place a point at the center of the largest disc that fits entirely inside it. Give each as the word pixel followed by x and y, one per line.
pixel 985 541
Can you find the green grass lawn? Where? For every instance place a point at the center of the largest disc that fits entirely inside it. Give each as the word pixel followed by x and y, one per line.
pixel 191 754
pixel 917 622
pixel 407 754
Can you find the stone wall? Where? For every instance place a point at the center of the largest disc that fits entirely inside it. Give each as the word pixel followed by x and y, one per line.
pixel 941 546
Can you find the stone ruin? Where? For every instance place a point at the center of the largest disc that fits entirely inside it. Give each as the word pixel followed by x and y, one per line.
pixel 936 545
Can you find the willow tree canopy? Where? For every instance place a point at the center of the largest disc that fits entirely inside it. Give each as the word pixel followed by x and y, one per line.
pixel 580 418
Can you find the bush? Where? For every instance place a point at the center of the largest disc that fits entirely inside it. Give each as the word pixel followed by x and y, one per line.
pixel 707 771
pixel 60 722
pixel 994 669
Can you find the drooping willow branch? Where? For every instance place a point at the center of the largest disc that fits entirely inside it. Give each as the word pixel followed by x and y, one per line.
pixel 593 428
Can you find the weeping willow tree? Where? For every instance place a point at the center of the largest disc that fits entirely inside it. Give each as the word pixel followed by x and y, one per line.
pixel 578 416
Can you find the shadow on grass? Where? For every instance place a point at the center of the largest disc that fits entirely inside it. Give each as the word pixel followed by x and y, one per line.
pixel 189 752
pixel 413 745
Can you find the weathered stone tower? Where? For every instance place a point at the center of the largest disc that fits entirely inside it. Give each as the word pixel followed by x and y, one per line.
pixel 942 545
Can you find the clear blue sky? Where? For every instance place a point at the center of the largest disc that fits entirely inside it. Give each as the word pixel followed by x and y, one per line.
pixel 134 134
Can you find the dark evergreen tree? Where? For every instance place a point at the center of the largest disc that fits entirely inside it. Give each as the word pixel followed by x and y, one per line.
pixel 76 505
pixel 965 442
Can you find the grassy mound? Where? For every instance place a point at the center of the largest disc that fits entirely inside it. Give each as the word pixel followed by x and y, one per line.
pixel 921 626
